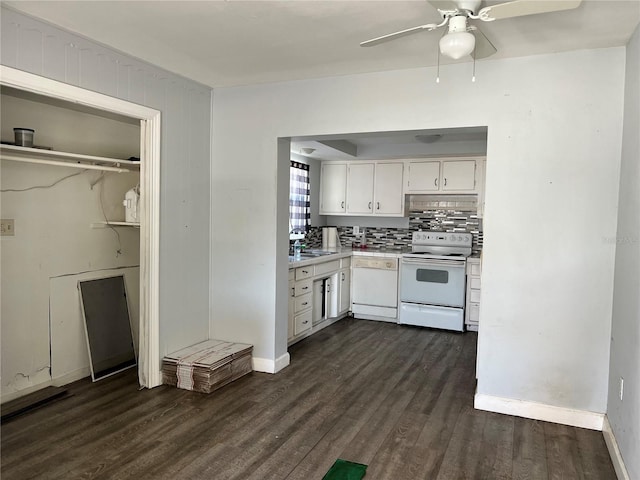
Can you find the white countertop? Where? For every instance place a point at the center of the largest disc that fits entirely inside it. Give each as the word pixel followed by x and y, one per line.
pixel 342 253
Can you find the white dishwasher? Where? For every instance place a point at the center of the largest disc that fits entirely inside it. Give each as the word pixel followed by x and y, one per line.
pixel 374 285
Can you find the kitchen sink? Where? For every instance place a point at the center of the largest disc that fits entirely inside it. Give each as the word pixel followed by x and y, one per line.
pixel 311 254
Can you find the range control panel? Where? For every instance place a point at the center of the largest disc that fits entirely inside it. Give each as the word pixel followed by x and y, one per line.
pixel 444 239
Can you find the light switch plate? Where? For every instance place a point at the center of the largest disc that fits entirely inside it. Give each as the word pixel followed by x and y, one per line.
pixel 7 227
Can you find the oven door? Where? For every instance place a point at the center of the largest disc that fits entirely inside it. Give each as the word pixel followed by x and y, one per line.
pixel 432 281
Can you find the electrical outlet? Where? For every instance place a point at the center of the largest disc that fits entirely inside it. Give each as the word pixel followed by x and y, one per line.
pixel 356 230
pixel 621 388
pixel 7 227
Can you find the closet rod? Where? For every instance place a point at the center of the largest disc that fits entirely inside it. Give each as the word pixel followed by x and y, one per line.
pixel 66 164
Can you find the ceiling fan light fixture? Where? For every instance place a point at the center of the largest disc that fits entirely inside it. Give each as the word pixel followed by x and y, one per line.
pixel 457 44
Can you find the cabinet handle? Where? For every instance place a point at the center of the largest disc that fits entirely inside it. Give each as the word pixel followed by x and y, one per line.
pixel 435 182
pixel 293 291
pixel 369 205
pixel 305 303
pixel 305 271
pixel 378 205
pixel 445 181
pixel 343 276
pixel 305 322
pixel 342 204
pixel 305 288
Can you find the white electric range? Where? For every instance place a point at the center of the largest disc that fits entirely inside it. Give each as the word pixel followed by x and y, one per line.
pixel 432 280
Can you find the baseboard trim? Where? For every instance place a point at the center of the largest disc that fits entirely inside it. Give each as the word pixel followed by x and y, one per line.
pixel 539 411
pixel 267 365
pixel 7 397
pixel 614 451
pixel 71 377
pixel 282 362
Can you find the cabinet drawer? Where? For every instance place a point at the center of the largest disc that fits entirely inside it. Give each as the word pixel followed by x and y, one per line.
pixel 474 282
pixel 304 272
pixel 303 287
pixel 303 302
pixel 473 268
pixel 302 322
pixel 345 262
pixel 474 312
pixel 327 267
pixel 474 296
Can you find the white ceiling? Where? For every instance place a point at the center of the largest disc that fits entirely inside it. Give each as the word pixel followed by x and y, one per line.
pixel 224 43
pixel 384 145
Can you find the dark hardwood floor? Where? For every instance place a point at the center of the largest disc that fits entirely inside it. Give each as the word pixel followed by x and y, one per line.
pixel 397 398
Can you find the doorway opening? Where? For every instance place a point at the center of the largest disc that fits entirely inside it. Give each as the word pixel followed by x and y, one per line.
pixel 380 164
pixel 147 123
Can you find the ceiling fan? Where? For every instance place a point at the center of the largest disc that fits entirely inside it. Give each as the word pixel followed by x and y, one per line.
pixel 458 40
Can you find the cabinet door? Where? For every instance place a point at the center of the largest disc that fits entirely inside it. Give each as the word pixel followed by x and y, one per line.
pixel 292 302
pixel 423 177
pixel 345 290
pixel 333 184
pixel 388 189
pixel 360 188
pixel 458 175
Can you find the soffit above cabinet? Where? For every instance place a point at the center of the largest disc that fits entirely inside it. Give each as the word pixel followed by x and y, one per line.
pixel 391 145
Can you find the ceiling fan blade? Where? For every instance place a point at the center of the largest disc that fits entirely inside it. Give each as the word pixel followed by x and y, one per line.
pixel 519 8
pixel 401 33
pixel 484 48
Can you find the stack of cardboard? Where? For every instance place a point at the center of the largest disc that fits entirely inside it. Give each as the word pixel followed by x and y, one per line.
pixel 207 366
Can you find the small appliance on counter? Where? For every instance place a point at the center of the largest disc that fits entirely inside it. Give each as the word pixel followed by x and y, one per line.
pixel 330 238
pixel 131 205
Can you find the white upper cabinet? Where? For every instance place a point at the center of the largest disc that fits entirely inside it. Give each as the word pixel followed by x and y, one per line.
pixel 366 188
pixel 458 176
pixel 333 188
pixel 360 188
pixel 388 196
pixel 371 188
pixel 441 176
pixel 423 176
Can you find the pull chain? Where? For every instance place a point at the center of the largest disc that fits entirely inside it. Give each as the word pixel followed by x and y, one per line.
pixel 438 70
pixel 473 78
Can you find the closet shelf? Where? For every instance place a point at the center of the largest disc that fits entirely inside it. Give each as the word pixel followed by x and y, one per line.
pixel 115 224
pixel 15 153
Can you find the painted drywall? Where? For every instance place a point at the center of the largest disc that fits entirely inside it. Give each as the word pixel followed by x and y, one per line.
pixel 624 415
pixel 53 239
pixel 37 47
pixel 553 157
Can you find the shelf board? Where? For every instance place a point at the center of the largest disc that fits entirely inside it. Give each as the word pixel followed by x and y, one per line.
pixel 115 224
pixel 66 159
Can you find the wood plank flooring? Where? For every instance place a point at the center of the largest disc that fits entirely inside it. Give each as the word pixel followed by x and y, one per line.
pixel 397 398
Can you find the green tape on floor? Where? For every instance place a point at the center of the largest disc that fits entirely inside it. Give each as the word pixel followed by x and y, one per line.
pixel 344 470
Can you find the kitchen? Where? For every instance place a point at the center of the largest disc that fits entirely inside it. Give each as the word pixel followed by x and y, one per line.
pixel 547 184
pixel 408 230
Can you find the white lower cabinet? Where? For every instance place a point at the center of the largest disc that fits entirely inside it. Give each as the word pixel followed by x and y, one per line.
pixel 300 301
pixel 345 290
pixel 292 302
pixel 303 322
pixel 472 307
pixel 318 294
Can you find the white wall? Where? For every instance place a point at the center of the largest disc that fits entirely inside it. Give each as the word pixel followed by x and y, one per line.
pixel 624 415
pixel 36 47
pixel 553 158
pixel 53 239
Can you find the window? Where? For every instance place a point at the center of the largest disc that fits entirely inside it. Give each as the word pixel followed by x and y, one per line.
pixel 299 198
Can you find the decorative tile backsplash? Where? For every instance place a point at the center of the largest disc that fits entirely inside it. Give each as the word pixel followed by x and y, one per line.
pixel 442 213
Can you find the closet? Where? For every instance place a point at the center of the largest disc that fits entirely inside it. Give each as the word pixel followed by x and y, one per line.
pixel 64 202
